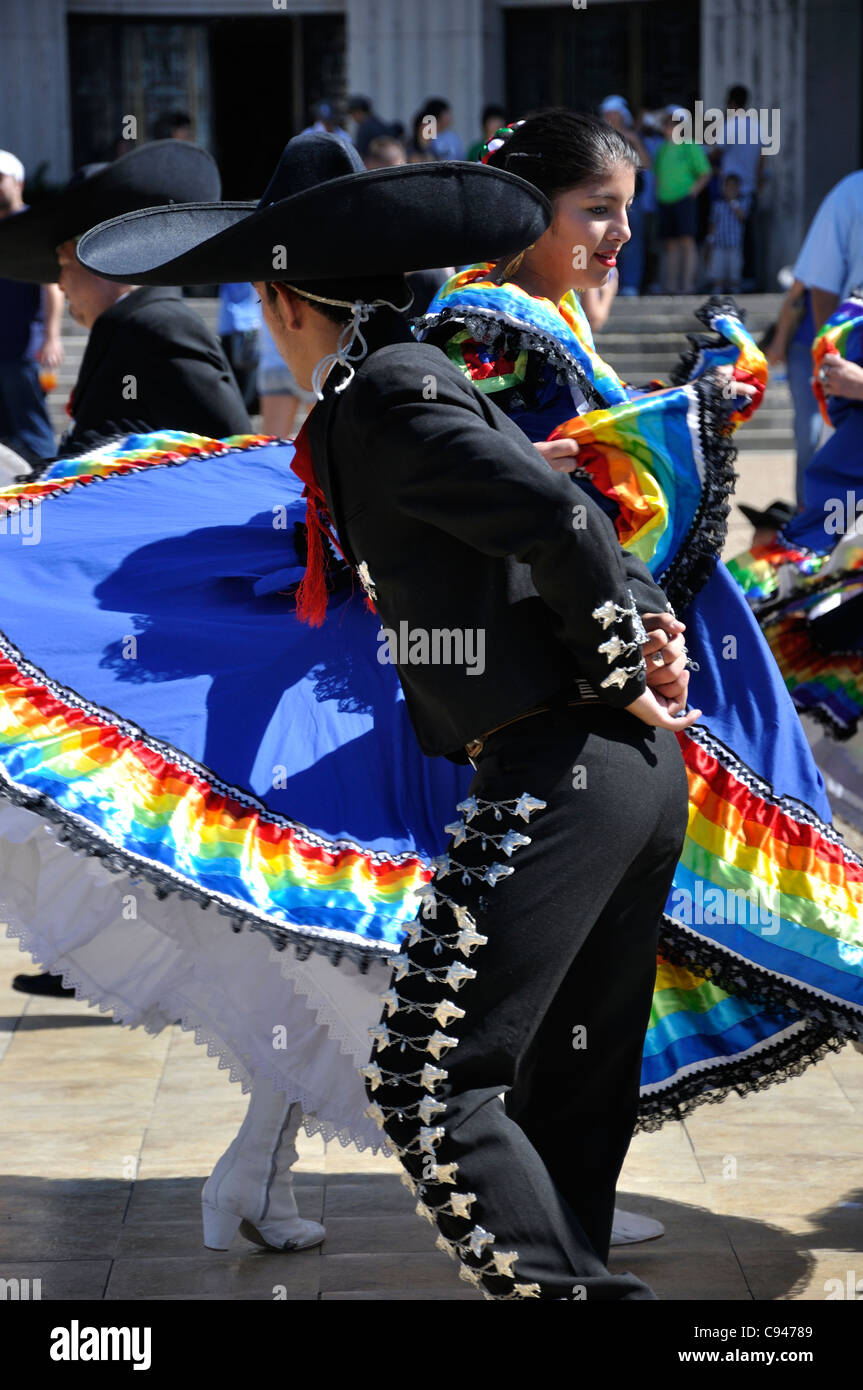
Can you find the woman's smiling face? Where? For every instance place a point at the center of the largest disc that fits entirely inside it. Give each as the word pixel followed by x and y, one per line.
pixel 579 249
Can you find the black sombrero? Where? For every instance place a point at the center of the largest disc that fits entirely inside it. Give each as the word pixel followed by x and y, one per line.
pixel 325 218
pixel 165 171
pixel 778 514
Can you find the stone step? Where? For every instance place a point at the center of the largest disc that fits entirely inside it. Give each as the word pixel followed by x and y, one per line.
pixel 680 304
pixel 779 441
pixel 675 329
pixel 668 345
pixel 642 340
pixel 636 366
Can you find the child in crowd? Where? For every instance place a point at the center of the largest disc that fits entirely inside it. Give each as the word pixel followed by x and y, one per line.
pixel 725 238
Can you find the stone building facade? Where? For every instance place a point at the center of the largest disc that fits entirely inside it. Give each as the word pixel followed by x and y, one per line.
pixel 249 70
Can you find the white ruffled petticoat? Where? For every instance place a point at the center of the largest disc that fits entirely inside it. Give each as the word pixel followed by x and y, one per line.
pixel 302 1025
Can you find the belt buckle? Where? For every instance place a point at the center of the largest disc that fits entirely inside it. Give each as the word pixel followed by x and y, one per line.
pixel 473 749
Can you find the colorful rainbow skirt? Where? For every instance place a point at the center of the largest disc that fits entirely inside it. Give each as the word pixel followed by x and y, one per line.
pixel 204 779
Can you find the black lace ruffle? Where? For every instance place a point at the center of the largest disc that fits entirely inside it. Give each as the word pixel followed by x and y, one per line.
pixel 682 946
pixel 691 359
pixel 745 1076
pixel 841 732
pixel 697 556
pixel 700 549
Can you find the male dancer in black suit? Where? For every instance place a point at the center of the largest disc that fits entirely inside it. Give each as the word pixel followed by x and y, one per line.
pixel 529 972
pixel 150 362
pixel 150 359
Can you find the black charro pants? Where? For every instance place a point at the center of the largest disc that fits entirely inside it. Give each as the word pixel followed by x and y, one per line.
pixel 529 975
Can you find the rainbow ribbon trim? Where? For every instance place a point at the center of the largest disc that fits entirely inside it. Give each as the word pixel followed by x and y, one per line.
pixel 129 454
pixel 148 809
pixel 116 788
pixel 756 570
pixel 843 334
pixel 119 792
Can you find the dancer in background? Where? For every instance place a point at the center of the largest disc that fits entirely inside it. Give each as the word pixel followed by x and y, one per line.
pixel 25 426
pixel 150 359
pixel 805 583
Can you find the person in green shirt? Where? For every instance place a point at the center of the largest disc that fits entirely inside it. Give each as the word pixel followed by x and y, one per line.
pixel 493 117
pixel 682 169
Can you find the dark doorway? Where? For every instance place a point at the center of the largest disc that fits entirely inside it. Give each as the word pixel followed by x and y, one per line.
pixel 266 75
pixel 126 73
pixel 645 50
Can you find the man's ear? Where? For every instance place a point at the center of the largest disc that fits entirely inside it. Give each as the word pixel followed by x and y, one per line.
pixel 291 306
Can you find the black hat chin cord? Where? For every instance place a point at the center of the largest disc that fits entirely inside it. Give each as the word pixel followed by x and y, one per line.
pixel 350 337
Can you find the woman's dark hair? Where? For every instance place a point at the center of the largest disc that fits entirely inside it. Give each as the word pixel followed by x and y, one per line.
pixel 558 149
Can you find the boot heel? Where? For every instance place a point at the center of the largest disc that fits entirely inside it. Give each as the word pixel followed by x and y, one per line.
pixel 220 1227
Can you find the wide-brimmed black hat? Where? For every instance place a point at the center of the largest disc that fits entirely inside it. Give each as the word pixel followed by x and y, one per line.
pixel 325 218
pixel 776 515
pixel 165 171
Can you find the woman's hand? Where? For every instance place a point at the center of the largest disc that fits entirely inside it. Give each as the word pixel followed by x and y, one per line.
pixel 732 388
pixel 841 378
pixel 651 709
pixel 559 454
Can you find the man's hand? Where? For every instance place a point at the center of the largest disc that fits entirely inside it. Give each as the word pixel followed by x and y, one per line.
pixel 841 378
pixel 777 352
pixel 50 354
pixel 559 454
pixel 665 656
pixel 650 710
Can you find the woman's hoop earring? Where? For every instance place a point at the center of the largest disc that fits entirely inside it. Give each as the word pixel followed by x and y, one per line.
pixel 512 267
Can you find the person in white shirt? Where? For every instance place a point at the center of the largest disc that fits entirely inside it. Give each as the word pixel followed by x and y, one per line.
pixel 830 262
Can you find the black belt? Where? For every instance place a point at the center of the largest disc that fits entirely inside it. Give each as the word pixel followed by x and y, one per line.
pixel 588 697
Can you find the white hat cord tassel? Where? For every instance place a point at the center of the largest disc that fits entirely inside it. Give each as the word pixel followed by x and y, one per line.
pixel 351 333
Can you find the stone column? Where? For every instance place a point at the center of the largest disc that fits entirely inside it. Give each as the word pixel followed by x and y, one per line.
pixel 761 44
pixel 399 54
pixel 34 82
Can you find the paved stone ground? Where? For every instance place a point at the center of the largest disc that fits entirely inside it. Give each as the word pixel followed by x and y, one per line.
pixel 109 1134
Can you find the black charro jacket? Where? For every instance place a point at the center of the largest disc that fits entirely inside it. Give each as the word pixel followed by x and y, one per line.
pixel 459 524
pixel 181 378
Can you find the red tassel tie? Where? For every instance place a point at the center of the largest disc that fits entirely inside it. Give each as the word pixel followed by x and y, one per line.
pixel 311 595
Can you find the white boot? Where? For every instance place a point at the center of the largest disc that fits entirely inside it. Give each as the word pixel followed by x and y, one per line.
pixel 251 1187
pixel 629 1229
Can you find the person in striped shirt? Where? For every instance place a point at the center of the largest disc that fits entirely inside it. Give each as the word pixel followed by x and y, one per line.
pixel 725 238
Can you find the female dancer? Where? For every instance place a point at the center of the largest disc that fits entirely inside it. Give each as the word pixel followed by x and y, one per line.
pixel 660 462
pixel 805 584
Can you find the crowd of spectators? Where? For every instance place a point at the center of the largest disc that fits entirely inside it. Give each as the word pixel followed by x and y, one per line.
pixel 693 219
